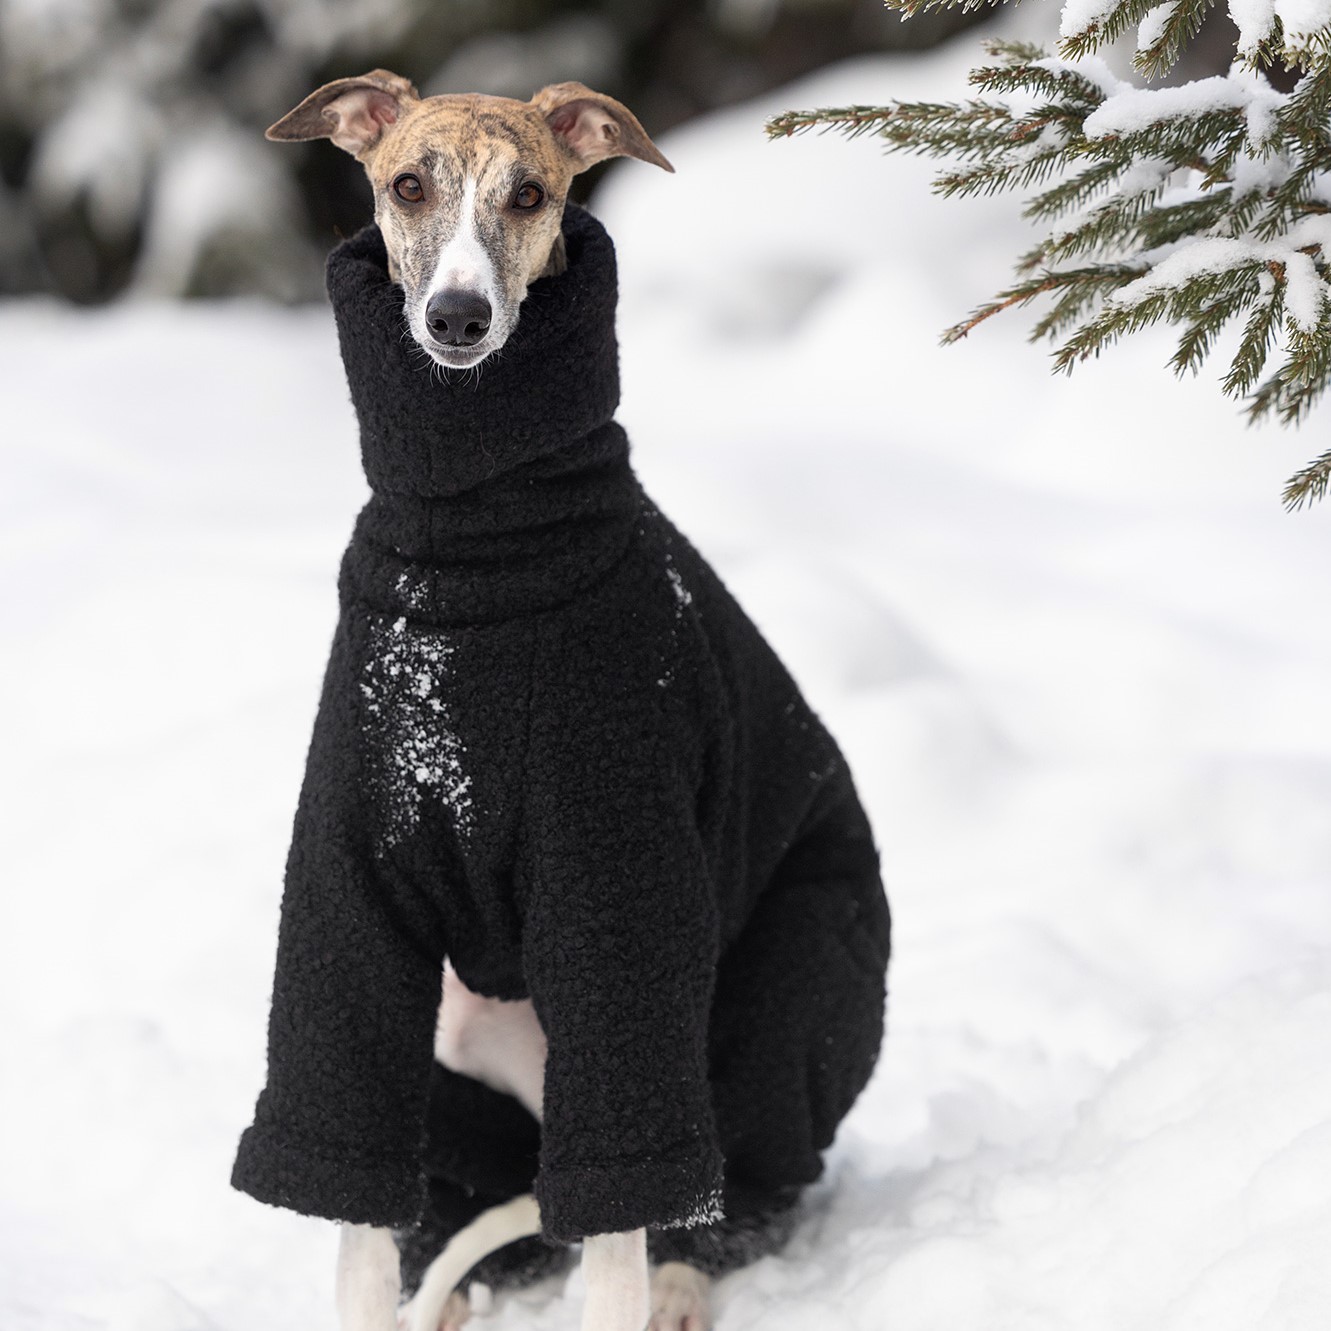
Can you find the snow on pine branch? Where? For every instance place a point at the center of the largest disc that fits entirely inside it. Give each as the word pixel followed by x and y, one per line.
pixel 1201 205
pixel 1300 24
pixel 1305 293
pixel 1132 110
pixel 1089 24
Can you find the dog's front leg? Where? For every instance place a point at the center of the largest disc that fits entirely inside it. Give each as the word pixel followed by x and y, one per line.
pixel 614 1267
pixel 369 1279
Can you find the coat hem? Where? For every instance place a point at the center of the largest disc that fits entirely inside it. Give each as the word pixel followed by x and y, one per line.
pixel 360 1191
pixel 580 1200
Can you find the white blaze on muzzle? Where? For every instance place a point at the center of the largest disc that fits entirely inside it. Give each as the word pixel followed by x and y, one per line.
pixel 464 263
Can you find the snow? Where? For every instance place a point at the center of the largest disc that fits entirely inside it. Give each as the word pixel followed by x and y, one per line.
pixel 1254 20
pixel 1306 292
pixel 1081 16
pixel 418 756
pixel 1195 258
pixel 1301 20
pixel 1305 21
pixel 1256 175
pixel 1068 638
pixel 1152 27
pixel 1138 109
pixel 1094 68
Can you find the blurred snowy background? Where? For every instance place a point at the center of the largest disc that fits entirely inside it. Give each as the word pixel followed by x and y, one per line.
pixel 1075 650
pixel 131 148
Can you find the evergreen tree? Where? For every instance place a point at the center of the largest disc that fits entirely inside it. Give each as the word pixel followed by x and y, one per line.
pixel 1200 204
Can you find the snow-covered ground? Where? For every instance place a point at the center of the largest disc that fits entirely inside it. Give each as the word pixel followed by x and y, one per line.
pixel 1075 650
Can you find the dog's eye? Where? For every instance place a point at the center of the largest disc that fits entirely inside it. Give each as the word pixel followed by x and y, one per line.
pixel 530 195
pixel 408 189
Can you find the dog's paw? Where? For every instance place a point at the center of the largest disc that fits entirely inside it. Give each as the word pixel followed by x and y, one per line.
pixel 681 1299
pixel 455 1312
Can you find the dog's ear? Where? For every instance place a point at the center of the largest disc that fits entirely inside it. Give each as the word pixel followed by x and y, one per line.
pixel 351 112
pixel 591 126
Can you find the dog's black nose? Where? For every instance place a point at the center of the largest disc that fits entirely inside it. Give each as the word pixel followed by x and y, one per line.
pixel 457 318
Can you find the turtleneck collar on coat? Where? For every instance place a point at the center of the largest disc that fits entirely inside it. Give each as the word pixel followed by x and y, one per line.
pixel 496 492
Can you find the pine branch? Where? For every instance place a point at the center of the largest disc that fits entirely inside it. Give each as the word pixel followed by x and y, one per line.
pixel 1315 49
pixel 1183 24
pixel 1200 334
pixel 1309 485
pixel 1237 216
pixel 1261 330
pixel 910 8
pixel 1086 287
pixel 1183 141
pixel 1304 375
pixel 1076 192
pixel 1025 292
pixel 1022 294
pixel 1130 200
pixel 973 129
pixel 1184 304
pixel 1014 53
pixel 1165 226
pixel 1114 226
pixel 1290 200
pixel 850 120
pixel 995 177
pixel 1061 87
pixel 1310 102
pixel 1100 32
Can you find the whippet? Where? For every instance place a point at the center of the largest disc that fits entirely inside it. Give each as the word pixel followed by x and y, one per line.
pixel 469 192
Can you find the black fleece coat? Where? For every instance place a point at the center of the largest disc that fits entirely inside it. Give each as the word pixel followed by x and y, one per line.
pixel 552 748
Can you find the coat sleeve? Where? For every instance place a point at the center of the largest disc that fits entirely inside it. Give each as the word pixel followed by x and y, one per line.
pixel 338 1129
pixel 619 948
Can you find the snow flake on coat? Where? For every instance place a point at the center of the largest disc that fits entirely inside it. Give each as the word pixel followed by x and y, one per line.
pixel 415 755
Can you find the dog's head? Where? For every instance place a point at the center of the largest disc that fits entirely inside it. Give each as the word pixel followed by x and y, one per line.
pixel 469 191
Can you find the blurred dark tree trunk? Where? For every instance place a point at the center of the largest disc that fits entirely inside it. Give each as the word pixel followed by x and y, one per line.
pixel 689 60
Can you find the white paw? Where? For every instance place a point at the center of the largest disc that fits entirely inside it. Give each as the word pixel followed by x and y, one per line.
pixel 681 1299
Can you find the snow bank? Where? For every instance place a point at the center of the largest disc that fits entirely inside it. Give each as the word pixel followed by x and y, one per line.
pixel 1063 628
